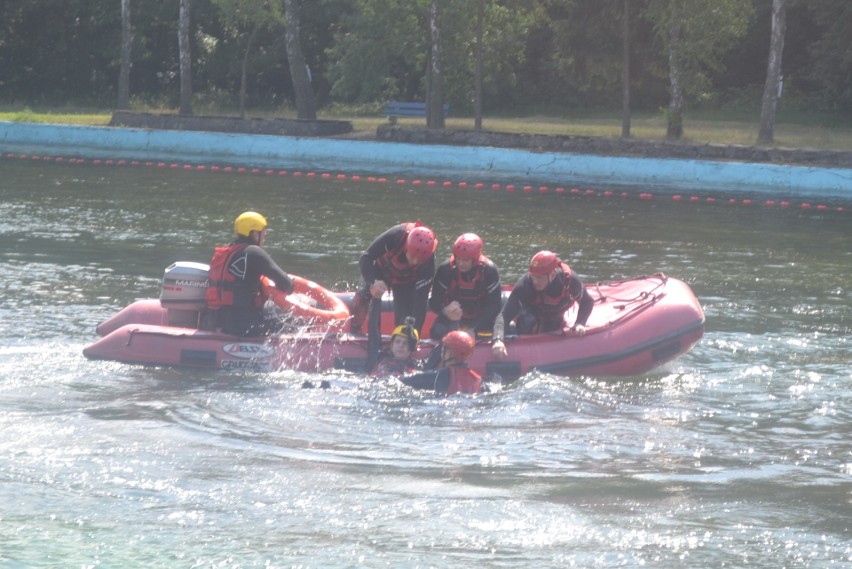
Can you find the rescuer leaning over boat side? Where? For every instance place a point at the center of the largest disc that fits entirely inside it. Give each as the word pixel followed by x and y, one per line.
pixel 539 300
pixel 400 260
pixel 234 298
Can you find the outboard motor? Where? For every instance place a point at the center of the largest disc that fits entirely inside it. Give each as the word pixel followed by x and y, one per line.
pixel 182 295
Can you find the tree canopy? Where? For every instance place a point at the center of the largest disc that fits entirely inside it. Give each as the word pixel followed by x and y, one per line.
pixel 562 54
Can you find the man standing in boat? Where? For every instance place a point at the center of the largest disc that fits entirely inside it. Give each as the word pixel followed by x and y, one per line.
pixel 233 295
pixel 539 300
pixel 402 260
pixel 466 292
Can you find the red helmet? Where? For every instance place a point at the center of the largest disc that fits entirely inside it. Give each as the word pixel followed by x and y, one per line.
pixel 543 263
pixel 421 241
pixel 468 246
pixel 460 344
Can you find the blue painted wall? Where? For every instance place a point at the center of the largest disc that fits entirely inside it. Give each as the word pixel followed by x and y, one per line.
pixel 397 159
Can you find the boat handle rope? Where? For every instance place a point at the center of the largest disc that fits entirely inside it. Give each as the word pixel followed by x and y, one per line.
pixel 641 301
pixel 641 296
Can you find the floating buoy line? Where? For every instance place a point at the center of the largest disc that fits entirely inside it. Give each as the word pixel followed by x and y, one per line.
pixel 525 188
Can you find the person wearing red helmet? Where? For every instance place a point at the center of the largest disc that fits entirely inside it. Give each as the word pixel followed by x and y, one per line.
pixel 233 294
pixel 454 374
pixel 466 292
pixel 402 260
pixel 539 300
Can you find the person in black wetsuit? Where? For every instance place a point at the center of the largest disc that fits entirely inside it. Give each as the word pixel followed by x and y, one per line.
pixel 539 300
pixel 453 375
pixel 466 292
pixel 233 294
pixel 402 260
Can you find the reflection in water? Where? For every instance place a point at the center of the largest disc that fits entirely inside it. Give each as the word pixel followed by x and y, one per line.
pixel 737 454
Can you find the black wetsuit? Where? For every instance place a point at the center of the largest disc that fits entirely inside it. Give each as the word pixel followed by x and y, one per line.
pixel 478 291
pixel 444 381
pixel 410 284
pixel 522 302
pixel 245 316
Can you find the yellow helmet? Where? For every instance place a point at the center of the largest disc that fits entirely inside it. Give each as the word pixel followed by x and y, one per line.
pixel 248 222
pixel 409 332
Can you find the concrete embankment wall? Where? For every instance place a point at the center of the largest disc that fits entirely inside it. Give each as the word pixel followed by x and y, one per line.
pixel 473 163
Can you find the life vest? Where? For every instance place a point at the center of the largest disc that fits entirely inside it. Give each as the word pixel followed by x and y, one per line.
pixel 394 265
pixel 464 380
pixel 468 293
pixel 390 366
pixel 224 286
pixel 549 308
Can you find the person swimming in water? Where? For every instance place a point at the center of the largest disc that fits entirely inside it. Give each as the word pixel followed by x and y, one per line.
pixel 397 360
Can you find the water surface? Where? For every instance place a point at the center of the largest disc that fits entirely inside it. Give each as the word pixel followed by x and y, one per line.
pixel 737 454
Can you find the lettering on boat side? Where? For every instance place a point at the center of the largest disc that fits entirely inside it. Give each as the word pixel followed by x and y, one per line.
pixel 248 350
pixel 179 285
pixel 248 365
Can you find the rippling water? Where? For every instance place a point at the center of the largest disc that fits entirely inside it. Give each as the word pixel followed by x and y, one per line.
pixel 739 454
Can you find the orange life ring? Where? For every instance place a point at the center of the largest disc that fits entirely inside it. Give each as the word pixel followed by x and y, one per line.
pixel 329 308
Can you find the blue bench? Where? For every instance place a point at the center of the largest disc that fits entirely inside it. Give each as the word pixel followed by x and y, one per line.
pixel 395 109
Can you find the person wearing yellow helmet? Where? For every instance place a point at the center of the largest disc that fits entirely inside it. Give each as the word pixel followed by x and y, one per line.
pixel 397 360
pixel 539 300
pixel 249 221
pixel 233 294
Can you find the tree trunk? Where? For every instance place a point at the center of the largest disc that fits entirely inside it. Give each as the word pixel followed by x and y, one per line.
pixel 674 116
pixel 771 88
pixel 625 72
pixel 185 59
pixel 435 95
pixel 126 44
pixel 477 103
pixel 243 72
pixel 299 74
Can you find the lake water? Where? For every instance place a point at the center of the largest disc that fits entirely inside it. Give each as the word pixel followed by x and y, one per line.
pixel 737 455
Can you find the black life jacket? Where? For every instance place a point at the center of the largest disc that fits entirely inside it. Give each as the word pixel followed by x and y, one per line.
pixel 394 265
pixel 468 293
pixel 549 308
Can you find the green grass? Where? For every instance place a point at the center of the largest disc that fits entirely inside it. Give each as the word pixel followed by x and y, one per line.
pixel 799 130
pixel 87 117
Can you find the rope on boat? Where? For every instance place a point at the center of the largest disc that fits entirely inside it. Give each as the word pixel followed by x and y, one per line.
pixel 642 301
pixel 641 296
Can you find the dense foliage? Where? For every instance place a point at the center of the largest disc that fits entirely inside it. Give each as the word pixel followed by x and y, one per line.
pixel 559 54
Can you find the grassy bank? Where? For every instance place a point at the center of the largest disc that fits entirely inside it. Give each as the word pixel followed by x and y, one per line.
pixel 798 130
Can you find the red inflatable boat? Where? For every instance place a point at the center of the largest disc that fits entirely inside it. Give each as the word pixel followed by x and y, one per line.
pixel 637 325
